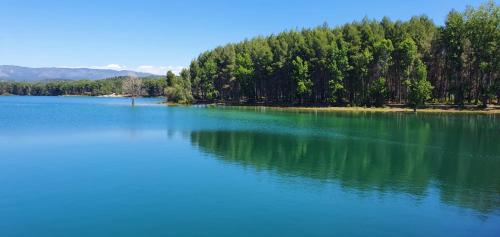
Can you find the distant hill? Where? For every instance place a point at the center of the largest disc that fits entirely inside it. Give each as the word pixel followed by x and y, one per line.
pixel 17 73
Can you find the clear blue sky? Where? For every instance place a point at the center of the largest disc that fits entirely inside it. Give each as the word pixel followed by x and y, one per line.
pixel 154 35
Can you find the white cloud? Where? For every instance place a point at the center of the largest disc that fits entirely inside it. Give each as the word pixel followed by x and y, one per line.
pixel 114 66
pixel 157 70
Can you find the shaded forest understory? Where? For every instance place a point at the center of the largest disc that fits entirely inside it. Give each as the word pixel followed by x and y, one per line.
pixel 366 63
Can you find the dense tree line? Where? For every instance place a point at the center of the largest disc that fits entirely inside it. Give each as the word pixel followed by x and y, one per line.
pixel 362 63
pixel 151 86
pixel 176 87
pixel 62 87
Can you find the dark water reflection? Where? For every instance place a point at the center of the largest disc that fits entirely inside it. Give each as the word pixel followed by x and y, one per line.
pixel 459 156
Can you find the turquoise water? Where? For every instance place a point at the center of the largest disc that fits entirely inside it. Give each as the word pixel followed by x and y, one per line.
pixel 84 166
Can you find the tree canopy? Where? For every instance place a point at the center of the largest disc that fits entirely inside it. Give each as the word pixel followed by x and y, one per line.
pixel 361 63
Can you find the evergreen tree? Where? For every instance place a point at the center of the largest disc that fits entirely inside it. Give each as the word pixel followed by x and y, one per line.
pixel 302 78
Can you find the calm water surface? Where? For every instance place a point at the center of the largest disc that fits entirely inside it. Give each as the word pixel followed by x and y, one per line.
pixel 81 166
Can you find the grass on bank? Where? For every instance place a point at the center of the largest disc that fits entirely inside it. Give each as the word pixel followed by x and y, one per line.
pixel 491 109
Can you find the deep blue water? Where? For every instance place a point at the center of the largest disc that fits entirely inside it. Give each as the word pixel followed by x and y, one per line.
pixel 87 166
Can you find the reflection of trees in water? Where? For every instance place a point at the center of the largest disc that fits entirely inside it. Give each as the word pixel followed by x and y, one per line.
pixel 463 164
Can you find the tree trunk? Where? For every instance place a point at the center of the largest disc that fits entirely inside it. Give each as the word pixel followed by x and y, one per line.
pixel 484 101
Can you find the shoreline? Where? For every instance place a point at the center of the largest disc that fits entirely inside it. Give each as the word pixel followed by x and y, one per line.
pixel 434 108
pixel 490 110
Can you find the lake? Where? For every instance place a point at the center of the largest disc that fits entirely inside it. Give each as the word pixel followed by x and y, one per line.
pixel 87 166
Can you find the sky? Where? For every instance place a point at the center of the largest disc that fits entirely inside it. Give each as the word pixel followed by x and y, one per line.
pixel 156 36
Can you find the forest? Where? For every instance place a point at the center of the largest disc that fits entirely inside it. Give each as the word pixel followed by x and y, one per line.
pixel 151 86
pixel 175 87
pixel 363 63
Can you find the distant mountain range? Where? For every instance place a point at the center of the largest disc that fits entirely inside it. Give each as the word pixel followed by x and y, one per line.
pixel 17 73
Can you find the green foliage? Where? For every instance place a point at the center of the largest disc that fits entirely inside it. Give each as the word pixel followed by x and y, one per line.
pixel 453 36
pixel 378 92
pixel 483 31
pixel 244 73
pixel 382 54
pixel 152 86
pixel 171 78
pixel 179 87
pixel 301 77
pixel 419 88
pixel 408 55
pixel 327 65
pixel 338 67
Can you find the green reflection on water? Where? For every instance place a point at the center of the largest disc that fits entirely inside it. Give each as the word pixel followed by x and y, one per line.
pixel 458 155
